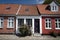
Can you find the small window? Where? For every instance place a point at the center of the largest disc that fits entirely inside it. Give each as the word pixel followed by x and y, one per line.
pixel 48 23
pixel 29 22
pixel 10 22
pixel 1 22
pixel 57 23
pixel 27 9
pixel 54 8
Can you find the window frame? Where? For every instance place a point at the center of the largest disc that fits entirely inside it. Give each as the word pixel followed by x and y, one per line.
pixel 20 20
pixel 46 22
pixel 56 22
pixel 29 20
pixel 8 22
pixel 2 21
pixel 54 8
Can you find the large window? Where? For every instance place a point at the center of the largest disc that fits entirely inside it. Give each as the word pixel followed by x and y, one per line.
pixel 20 22
pixel 10 22
pixel 29 22
pixel 48 23
pixel 57 22
pixel 1 22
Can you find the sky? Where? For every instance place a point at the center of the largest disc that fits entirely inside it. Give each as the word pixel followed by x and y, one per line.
pixel 21 1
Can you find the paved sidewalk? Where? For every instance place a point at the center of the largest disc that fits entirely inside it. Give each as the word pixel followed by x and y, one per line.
pixel 14 37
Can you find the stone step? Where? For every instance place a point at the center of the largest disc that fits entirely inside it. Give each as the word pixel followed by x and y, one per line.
pixel 37 34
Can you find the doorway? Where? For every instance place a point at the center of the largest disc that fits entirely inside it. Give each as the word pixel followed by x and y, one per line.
pixel 36 25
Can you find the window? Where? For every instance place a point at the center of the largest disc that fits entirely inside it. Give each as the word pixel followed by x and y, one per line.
pixel 54 8
pixel 20 22
pixel 29 22
pixel 8 8
pixel 57 22
pixel 10 22
pixel 48 23
pixel 1 22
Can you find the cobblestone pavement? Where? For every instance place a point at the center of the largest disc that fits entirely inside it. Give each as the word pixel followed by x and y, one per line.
pixel 14 37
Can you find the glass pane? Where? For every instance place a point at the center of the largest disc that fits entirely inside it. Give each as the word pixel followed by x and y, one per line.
pixel 46 25
pixel 9 24
pixel 1 24
pixel 55 8
pixel 59 25
pixel 29 22
pixel 49 25
pixel 12 24
pixel 59 20
pixel 56 25
pixel 20 22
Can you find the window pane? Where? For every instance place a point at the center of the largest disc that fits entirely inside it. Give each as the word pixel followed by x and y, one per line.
pixel 49 25
pixel 1 22
pixel 9 24
pixel 46 25
pixel 12 24
pixel 29 22
pixel 59 25
pixel 20 22
pixel 56 25
pixel 53 8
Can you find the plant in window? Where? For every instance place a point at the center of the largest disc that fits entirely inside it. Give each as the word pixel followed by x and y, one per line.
pixel 24 30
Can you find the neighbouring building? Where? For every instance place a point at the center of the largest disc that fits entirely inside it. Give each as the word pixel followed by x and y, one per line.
pixel 43 18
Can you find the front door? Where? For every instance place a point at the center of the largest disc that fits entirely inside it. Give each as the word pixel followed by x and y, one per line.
pixel 36 26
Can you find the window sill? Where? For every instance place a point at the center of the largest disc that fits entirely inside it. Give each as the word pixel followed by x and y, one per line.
pixel 48 28
pixel 1 27
pixel 10 27
pixel 57 28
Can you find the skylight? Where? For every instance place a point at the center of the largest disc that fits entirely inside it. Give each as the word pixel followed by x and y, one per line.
pixel 8 8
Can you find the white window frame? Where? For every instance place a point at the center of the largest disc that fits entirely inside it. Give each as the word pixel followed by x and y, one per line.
pixel 54 7
pixel 12 21
pixel 48 22
pixel 57 22
pixel 28 19
pixel 2 21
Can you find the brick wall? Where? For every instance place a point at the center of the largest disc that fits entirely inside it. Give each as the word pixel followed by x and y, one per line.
pixel 5 29
pixel 47 31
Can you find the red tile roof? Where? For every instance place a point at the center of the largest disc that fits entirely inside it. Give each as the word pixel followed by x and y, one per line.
pixel 25 10
pixel 8 9
pixel 42 10
pixel 28 10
